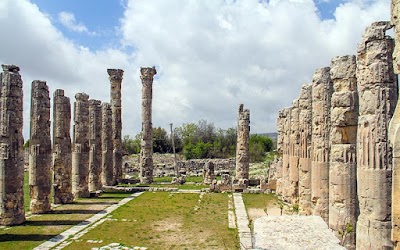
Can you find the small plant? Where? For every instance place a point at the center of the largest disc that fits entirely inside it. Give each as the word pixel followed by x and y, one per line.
pixel 348 228
pixel 281 205
pixel 295 208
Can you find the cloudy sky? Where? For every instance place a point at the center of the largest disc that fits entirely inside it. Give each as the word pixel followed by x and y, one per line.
pixel 210 55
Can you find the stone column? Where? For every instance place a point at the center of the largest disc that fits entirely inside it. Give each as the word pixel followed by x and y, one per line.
pixel 208 173
pixel 95 153
pixel 80 154
pixel 377 86
pixel 305 129
pixel 115 77
pixel 343 204
pixel 62 152
pixel 279 149
pixel 106 145
pixel 11 147
pixel 242 147
pixel 146 152
pixel 285 150
pixel 294 135
pixel 321 95
pixel 40 149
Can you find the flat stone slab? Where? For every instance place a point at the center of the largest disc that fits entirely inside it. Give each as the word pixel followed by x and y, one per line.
pixel 294 232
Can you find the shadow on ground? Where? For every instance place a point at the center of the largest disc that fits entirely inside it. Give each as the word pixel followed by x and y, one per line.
pixel 26 237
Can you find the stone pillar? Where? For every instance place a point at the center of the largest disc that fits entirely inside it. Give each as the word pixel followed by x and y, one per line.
pixel 395 21
pixel 293 185
pixel 305 129
pixel 343 204
pixel 80 154
pixel 146 152
pixel 279 149
pixel 62 152
pixel 242 147
pixel 377 86
pixel 40 149
pixel 106 145
pixel 285 151
pixel 11 147
pixel 208 173
pixel 95 153
pixel 115 77
pixel 321 95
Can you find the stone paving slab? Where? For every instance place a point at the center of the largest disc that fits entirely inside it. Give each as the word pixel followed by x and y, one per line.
pixel 242 221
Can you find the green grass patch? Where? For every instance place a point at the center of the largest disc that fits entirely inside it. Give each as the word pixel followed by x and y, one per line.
pixel 260 201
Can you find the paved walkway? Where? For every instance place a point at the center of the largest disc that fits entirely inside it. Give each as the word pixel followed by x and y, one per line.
pixel 242 221
pixel 83 227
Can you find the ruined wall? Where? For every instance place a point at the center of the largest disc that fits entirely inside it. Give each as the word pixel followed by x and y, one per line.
pixel 11 147
pixel 293 188
pixel 95 153
pixel 377 86
pixel 62 151
pixel 106 145
pixel 80 154
pixel 146 152
pixel 279 149
pixel 343 204
pixel 305 119
pixel 40 157
pixel 321 96
pixel 242 146
pixel 285 152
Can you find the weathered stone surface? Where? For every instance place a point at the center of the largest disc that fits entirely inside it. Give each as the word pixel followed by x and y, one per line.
pixel 115 77
pixel 293 188
pixel 377 86
pixel 305 130
pixel 11 147
pixel 343 206
pixel 279 148
pixel 106 145
pixel 80 154
pixel 321 95
pixel 285 151
pixel 146 152
pixel 242 147
pixel 40 149
pixel 208 173
pixel 95 154
pixel 62 151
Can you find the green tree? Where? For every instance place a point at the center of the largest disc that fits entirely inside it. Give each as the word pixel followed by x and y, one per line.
pixel 130 145
pixel 258 146
pixel 161 141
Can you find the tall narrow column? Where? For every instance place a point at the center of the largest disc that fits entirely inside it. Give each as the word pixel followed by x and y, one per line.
pixel 62 152
pixel 305 129
pixel 40 149
pixel 321 95
pixel 343 205
pixel 95 153
pixel 377 86
pixel 106 145
pixel 115 77
pixel 285 151
pixel 80 154
pixel 146 152
pixel 294 154
pixel 242 148
pixel 11 147
pixel 279 149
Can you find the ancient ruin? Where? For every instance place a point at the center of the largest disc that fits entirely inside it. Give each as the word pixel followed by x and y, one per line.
pixel 40 156
pixel 208 173
pixel 285 153
pixel 343 207
pixel 11 147
pixel 80 153
pixel 62 151
pixel 146 152
pixel 106 145
pixel 95 154
pixel 115 77
pixel 377 88
pixel 242 148
pixel 279 149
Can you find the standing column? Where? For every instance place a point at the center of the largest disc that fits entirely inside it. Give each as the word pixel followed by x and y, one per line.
pixel 279 149
pixel 40 149
pixel 242 148
pixel 95 153
pixel 11 147
pixel 305 119
pixel 80 154
pixel 146 152
pixel 320 149
pixel 377 86
pixel 285 150
pixel 294 154
pixel 106 145
pixel 62 151
pixel 343 204
pixel 115 77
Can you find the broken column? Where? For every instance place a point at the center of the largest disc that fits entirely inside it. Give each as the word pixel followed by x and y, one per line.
pixel 242 148
pixel 115 77
pixel 146 152
pixel 305 129
pixel 293 188
pixel 208 173
pixel 40 157
pixel 285 153
pixel 377 86
pixel 11 147
pixel 95 153
pixel 62 152
pixel 106 145
pixel 279 149
pixel 321 96
pixel 343 205
pixel 80 153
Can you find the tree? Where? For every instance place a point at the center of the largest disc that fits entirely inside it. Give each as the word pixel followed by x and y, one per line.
pixel 258 146
pixel 130 145
pixel 161 141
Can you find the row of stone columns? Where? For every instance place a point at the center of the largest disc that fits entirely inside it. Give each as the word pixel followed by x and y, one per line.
pixel 336 161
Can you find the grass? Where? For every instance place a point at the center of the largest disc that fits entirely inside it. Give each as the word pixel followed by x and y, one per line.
pixel 161 220
pixel 259 201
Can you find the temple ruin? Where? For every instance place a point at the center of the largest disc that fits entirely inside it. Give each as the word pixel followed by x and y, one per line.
pixel 242 148
pixel 106 145
pixel 95 154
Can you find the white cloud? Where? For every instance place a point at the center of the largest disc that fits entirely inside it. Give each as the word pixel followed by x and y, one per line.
pixel 68 20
